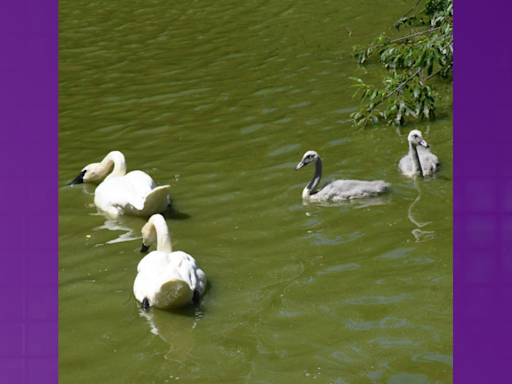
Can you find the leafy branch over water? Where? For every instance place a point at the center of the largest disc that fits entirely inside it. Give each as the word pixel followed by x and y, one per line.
pixel 415 61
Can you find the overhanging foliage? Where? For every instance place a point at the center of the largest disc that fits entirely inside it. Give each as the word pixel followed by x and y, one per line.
pixel 414 61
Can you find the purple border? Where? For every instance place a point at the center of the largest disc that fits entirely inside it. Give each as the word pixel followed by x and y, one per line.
pixel 29 158
pixel 482 193
pixel 482 236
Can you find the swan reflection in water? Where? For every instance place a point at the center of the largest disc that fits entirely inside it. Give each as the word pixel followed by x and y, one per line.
pixel 130 225
pixel 353 203
pixel 181 339
pixel 119 224
pixel 419 162
pixel 419 234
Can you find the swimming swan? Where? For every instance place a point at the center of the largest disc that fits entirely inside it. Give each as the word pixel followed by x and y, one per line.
pixel 339 189
pixel 120 193
pixel 419 161
pixel 166 279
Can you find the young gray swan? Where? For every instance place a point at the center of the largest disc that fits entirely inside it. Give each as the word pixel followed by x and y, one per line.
pixel 339 189
pixel 419 161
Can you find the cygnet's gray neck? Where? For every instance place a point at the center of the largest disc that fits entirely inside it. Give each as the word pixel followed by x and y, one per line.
pixel 316 179
pixel 416 165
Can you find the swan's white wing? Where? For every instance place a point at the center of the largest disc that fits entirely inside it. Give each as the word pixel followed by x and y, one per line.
pixel 139 181
pixel 155 201
pixel 187 267
pixel 129 195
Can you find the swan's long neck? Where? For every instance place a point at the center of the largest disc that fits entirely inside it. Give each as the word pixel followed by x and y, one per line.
pixel 416 165
pixel 163 237
pixel 311 187
pixel 116 158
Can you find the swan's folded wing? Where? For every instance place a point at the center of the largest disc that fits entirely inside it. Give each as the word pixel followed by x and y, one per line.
pixel 405 164
pixel 429 161
pixel 346 189
pixel 139 179
pixel 123 193
pixel 135 193
pixel 136 185
pixel 201 281
pixel 156 201
pixel 187 267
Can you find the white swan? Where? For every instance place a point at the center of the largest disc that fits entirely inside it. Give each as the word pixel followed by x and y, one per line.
pixel 120 193
pixel 339 189
pixel 166 279
pixel 419 161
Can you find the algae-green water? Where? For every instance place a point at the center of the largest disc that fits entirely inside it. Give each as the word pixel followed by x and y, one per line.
pixel 221 100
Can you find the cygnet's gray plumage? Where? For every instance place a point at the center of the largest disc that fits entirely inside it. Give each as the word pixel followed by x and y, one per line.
pixel 339 189
pixel 419 161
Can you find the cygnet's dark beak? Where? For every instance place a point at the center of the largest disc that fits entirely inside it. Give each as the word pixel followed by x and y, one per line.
pixel 424 143
pixel 79 179
pixel 299 166
pixel 144 248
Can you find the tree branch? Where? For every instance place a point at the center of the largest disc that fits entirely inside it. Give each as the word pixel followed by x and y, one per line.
pixel 402 38
pixel 385 98
pixel 412 9
pixel 408 36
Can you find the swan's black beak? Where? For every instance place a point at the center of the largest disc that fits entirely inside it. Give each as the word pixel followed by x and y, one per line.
pixel 144 248
pixel 299 166
pixel 79 179
pixel 145 304
pixel 424 143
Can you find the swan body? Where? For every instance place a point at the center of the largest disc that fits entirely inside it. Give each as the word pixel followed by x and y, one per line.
pixel 339 189
pixel 134 193
pixel 419 161
pixel 166 279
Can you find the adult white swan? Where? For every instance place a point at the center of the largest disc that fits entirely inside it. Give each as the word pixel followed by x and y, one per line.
pixel 166 279
pixel 419 161
pixel 339 189
pixel 133 193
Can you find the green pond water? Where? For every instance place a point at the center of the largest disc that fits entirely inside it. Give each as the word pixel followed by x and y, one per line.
pixel 221 100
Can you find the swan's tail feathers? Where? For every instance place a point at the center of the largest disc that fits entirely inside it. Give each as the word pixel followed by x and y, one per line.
pixel 373 188
pixel 195 299
pixel 173 294
pixel 145 304
pixel 157 200
pixel 377 186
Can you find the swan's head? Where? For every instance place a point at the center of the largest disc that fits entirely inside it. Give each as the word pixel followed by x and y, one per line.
pixel 90 173
pixel 309 157
pixel 148 236
pixel 415 138
pixel 97 171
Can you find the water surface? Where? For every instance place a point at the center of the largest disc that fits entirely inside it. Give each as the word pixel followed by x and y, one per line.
pixel 220 100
